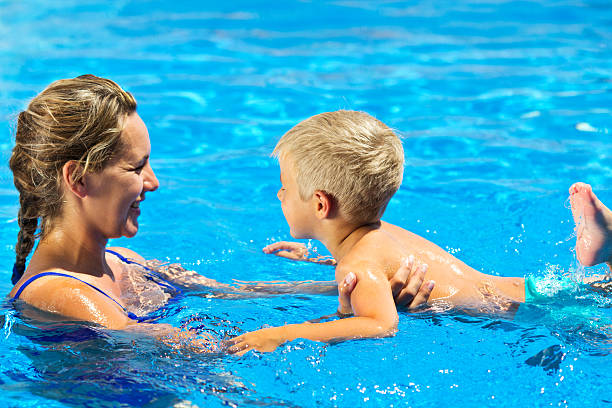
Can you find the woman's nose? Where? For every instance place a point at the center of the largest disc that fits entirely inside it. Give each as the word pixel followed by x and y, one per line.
pixel 150 181
pixel 278 194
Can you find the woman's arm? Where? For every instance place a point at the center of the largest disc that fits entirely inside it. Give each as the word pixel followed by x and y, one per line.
pixel 177 337
pixel 192 280
pixel 409 288
pixel 73 300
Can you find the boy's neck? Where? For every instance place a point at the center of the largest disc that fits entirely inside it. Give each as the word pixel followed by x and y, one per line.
pixel 339 238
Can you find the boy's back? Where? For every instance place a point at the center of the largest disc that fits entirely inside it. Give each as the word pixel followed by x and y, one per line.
pixel 383 248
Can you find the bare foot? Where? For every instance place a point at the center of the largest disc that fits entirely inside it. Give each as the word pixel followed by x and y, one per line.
pixel 593 226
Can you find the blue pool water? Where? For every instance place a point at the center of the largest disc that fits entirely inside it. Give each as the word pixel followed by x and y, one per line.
pixel 502 105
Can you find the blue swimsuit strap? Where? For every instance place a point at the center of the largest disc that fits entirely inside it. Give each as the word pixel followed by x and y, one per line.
pixel 126 260
pixel 40 275
pixel 160 281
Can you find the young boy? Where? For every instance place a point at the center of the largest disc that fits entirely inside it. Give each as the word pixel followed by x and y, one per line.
pixel 338 172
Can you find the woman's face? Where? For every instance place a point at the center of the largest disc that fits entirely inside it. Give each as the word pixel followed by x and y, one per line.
pixel 114 194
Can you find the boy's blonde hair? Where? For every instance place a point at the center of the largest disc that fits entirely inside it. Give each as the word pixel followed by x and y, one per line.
pixel 352 156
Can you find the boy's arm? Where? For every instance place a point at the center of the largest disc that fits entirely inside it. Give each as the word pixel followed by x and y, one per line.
pixel 375 316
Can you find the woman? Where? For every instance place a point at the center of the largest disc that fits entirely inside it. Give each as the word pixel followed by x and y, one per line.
pixel 81 165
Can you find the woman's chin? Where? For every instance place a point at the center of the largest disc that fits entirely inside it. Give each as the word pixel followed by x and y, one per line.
pixel 130 229
pixel 130 234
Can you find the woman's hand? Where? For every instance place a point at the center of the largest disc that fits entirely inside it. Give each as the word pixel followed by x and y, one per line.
pixel 297 252
pixel 409 289
pixel 344 294
pixel 408 285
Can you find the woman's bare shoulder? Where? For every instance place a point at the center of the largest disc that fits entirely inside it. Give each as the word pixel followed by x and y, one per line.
pixel 73 299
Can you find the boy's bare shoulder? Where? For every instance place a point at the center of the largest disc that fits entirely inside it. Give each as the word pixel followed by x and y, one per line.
pixel 381 243
pixel 378 250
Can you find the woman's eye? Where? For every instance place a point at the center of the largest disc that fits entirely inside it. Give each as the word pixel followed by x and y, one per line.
pixel 138 169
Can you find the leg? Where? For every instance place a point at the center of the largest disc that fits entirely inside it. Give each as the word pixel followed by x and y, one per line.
pixel 593 226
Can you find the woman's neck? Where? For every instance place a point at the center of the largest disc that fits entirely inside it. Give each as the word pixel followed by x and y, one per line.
pixel 73 250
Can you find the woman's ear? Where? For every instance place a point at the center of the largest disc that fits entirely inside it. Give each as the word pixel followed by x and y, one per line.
pixel 324 204
pixel 69 173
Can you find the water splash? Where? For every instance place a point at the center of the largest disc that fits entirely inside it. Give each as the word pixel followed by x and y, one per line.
pixel 9 320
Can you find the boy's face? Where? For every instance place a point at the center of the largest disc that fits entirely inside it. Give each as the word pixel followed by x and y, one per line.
pixel 298 213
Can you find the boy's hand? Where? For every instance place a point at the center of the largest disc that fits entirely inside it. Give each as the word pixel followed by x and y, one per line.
pixel 290 250
pixel 265 340
pixel 297 252
pixel 408 286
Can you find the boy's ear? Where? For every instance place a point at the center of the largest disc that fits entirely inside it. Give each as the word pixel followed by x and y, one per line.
pixel 69 172
pixel 324 204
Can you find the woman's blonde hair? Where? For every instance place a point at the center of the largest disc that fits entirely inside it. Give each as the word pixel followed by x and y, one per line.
pixel 352 156
pixel 78 119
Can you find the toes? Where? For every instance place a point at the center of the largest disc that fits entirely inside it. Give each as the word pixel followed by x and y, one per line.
pixel 579 187
pixel 574 188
